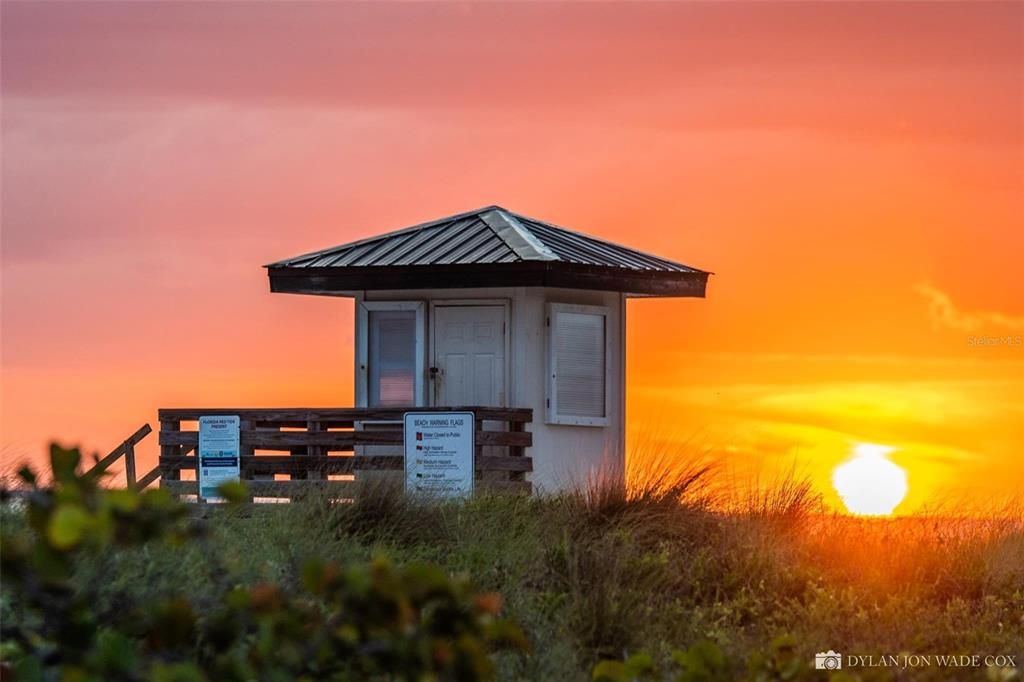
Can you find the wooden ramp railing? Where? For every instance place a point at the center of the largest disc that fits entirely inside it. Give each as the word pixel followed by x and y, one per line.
pixel 353 442
pixel 126 450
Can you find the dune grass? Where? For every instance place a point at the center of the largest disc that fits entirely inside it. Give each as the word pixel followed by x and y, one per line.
pixel 670 560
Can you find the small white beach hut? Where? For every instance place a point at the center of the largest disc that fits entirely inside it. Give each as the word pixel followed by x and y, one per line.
pixel 493 308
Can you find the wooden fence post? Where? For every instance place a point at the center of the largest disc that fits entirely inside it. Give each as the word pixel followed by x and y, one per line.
pixel 478 452
pixel 170 426
pixel 516 450
pixel 314 426
pixel 129 464
pixel 244 426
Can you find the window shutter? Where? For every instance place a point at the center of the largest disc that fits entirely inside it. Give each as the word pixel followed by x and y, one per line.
pixel 578 349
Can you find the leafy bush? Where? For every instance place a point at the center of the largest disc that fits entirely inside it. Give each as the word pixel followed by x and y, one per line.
pixel 705 662
pixel 677 566
pixel 702 662
pixel 345 622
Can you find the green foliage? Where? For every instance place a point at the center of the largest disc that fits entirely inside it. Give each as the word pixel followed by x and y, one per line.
pixel 780 662
pixel 588 576
pixel 636 667
pixel 55 628
pixel 356 621
pixel 702 662
pixel 705 662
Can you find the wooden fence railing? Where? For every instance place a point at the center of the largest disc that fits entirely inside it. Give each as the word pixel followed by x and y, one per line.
pixel 126 450
pixel 318 443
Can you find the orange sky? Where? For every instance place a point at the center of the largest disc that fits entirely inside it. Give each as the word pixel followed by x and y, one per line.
pixel 852 173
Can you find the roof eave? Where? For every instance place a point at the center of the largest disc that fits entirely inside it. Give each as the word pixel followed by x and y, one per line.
pixel 335 281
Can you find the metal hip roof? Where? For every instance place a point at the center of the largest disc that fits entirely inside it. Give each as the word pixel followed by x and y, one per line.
pixel 488 236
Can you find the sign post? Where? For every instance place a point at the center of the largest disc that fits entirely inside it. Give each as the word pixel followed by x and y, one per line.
pixel 218 454
pixel 439 449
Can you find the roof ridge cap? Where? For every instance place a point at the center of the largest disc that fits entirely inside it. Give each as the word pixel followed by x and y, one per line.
pixel 526 245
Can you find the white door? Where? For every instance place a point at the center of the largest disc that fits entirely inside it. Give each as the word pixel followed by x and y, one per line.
pixel 469 355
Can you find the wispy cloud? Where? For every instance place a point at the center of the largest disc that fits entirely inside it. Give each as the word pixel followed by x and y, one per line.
pixel 944 313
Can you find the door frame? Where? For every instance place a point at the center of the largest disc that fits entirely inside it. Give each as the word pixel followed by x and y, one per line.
pixel 468 303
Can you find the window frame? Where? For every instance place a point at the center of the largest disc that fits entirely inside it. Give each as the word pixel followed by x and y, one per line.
pixel 364 309
pixel 551 399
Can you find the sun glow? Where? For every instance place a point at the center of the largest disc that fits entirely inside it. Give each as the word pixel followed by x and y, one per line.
pixel 869 483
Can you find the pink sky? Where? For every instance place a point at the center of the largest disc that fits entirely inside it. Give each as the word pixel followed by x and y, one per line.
pixel 852 173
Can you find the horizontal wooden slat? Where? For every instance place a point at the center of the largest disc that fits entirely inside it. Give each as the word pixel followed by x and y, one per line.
pixel 342 414
pixel 324 424
pixel 340 440
pixel 505 438
pixel 524 487
pixel 499 463
pixel 345 489
pixel 287 464
pixel 271 440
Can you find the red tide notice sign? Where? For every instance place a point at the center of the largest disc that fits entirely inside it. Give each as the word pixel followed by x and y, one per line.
pixel 219 450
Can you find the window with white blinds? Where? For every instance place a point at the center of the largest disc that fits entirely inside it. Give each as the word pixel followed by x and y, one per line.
pixel 392 358
pixel 578 364
pixel 390 354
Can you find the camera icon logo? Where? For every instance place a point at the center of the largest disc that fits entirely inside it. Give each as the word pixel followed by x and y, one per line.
pixel 828 660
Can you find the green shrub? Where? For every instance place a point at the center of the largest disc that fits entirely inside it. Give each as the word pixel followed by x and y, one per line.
pixel 357 621
pixel 674 566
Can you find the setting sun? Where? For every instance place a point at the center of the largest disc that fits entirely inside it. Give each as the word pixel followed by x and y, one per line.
pixel 869 483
